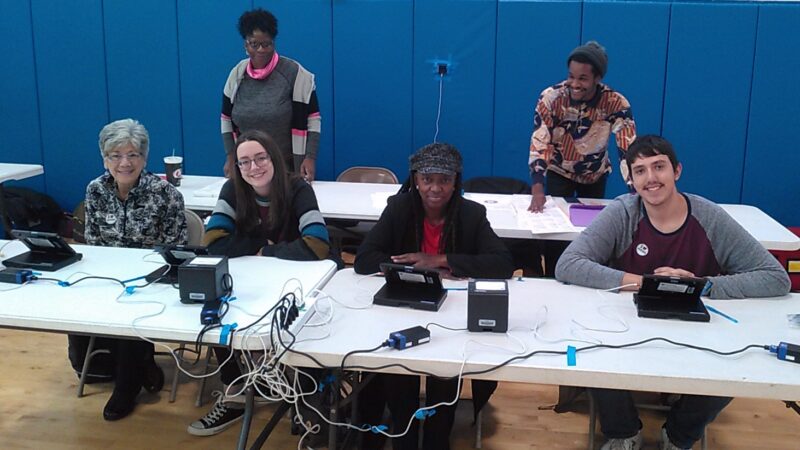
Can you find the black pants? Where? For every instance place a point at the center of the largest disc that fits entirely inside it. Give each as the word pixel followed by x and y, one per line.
pixel 401 394
pixel 126 364
pixel 559 186
pixel 685 424
pixel 230 371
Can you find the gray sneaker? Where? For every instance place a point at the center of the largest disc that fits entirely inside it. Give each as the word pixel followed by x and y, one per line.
pixel 631 443
pixel 220 418
pixel 667 444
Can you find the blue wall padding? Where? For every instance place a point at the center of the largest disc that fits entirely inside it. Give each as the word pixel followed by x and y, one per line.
pixel 135 33
pixel 771 178
pixel 707 94
pixel 715 78
pixel 304 34
pixel 635 36
pixel 73 98
pixel 372 54
pixel 461 32
pixel 19 109
pixel 533 41
pixel 209 46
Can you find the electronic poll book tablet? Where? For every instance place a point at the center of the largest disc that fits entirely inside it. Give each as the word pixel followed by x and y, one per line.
pixel 410 287
pixel 48 252
pixel 663 297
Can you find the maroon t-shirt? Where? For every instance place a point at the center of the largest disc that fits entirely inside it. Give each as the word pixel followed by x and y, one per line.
pixel 686 248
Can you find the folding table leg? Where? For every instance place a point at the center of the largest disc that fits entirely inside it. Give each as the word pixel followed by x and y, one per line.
pixel 201 390
pixel 173 393
pixel 273 422
pixel 334 416
pixel 86 360
pixel 592 419
pixel 478 429
pixel 247 419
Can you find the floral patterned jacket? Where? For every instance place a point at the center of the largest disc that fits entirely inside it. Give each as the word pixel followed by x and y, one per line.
pixel 152 214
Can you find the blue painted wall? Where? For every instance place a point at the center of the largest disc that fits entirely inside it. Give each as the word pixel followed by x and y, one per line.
pixel 72 93
pixel 19 109
pixel 713 77
pixel 707 94
pixel 771 176
pixel 372 73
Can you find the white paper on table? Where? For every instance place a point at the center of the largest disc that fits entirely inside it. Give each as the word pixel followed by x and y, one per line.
pixel 551 220
pixel 379 199
pixel 212 190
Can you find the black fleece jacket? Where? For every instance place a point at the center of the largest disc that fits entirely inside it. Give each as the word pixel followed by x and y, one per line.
pixel 478 252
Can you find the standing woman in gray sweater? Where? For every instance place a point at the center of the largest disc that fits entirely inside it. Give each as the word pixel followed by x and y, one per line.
pixel 271 93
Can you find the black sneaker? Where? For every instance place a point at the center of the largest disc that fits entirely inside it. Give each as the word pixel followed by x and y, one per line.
pixel 217 420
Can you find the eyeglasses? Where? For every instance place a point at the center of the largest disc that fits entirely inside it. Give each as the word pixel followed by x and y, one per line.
pixel 254 45
pixel 246 164
pixel 132 157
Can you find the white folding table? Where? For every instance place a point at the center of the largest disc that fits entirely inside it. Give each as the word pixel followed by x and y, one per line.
pixel 366 201
pixel 553 306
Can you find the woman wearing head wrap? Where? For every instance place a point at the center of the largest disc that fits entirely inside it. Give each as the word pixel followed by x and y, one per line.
pixel 429 226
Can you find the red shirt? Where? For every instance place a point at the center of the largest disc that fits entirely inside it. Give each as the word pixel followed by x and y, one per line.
pixel 431 236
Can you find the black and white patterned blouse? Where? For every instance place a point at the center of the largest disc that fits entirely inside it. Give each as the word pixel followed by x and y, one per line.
pixel 152 214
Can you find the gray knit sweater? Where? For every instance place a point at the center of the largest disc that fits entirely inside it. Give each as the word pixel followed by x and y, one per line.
pixel 710 244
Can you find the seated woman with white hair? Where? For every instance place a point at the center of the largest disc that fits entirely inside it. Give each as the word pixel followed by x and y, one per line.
pixel 127 206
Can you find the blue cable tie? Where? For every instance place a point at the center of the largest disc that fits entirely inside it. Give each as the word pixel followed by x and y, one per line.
pixel 129 289
pixel 378 428
pixel 571 356
pixel 63 283
pixel 327 380
pixel 226 329
pixel 36 274
pixel 421 414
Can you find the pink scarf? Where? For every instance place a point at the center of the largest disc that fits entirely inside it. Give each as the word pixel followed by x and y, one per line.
pixel 260 74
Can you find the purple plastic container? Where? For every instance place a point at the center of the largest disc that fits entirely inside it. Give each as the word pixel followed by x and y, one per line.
pixel 582 215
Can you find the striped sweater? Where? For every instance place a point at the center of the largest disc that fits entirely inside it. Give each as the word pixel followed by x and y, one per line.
pixel 301 237
pixel 284 105
pixel 571 137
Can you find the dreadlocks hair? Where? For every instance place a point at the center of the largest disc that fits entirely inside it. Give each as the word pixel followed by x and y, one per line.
pixel 247 214
pixel 447 244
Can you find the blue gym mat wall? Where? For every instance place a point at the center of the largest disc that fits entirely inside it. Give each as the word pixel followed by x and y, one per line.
pixel 718 79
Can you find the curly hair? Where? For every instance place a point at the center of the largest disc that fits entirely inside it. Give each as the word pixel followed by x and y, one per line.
pixel 258 19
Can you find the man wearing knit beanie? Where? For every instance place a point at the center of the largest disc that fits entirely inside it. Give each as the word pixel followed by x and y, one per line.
pixel 572 125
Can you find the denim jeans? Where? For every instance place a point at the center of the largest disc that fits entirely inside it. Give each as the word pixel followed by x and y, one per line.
pixel 685 424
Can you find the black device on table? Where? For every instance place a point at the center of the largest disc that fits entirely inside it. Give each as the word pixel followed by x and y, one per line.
pixel 664 297
pixel 174 256
pixel 487 306
pixel 410 287
pixel 48 252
